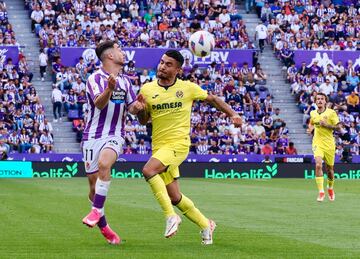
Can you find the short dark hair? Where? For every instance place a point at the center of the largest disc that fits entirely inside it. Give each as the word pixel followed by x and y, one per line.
pixel 102 47
pixel 175 55
pixel 322 94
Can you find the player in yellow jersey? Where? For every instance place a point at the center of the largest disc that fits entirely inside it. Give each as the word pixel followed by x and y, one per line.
pixel 168 103
pixel 323 122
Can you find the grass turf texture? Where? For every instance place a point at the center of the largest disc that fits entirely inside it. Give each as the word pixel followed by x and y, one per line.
pixel 279 218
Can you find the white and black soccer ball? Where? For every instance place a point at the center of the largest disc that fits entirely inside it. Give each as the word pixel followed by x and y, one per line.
pixel 201 43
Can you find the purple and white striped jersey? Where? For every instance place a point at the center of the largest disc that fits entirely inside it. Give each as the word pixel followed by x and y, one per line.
pixel 110 120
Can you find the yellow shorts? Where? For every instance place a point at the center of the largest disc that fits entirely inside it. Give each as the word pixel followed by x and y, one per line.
pixel 171 158
pixel 328 155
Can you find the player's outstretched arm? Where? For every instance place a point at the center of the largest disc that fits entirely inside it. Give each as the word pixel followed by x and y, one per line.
pixel 224 107
pixel 102 100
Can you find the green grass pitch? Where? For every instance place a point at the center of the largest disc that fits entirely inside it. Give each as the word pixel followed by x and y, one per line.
pixel 279 218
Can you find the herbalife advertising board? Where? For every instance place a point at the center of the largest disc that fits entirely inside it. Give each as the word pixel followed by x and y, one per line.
pixel 202 170
pixel 205 170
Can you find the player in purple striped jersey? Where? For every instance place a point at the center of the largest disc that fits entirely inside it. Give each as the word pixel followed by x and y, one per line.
pixel 110 97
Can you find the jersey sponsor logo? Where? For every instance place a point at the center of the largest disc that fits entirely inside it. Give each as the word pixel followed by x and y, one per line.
pixel 118 96
pixel 179 94
pixel 165 106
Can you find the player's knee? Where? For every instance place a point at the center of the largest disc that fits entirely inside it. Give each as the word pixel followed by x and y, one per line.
pixel 148 172
pixel 318 166
pixel 103 166
pixel 330 170
pixel 175 198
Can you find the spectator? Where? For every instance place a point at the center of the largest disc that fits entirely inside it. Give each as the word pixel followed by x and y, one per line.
pixel 24 141
pixel 24 69
pixel 277 121
pixel 46 126
pixel 142 149
pixel 353 102
pixel 214 148
pixel 291 150
pixel 37 17
pixel 56 98
pixel 46 141
pixel 267 122
pixel 202 148
pixel 14 141
pixel 267 149
pixel 70 102
pixel 43 59
pixel 261 34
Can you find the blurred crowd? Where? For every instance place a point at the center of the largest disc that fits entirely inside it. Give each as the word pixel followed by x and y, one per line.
pixel 314 25
pixel 311 25
pixel 317 25
pixel 23 126
pixel 133 23
pixel 341 83
pixel 286 25
pixel 162 24
pixel 241 86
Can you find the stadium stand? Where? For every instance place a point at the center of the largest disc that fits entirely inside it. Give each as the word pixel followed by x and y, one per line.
pixel 165 25
pixel 330 26
pixel 291 25
pixel 23 125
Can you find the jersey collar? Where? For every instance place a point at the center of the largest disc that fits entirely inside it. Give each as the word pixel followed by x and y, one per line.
pixel 321 112
pixel 166 86
pixel 103 70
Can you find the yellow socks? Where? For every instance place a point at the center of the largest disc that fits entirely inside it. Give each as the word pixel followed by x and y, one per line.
pixel 320 183
pixel 159 189
pixel 188 208
pixel 330 183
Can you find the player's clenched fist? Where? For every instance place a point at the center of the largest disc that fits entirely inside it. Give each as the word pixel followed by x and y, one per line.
pixel 138 107
pixel 111 82
pixel 140 103
pixel 236 120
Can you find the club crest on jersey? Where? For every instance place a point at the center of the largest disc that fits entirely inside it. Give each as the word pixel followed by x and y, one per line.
pixel 87 165
pixel 179 94
pixel 118 96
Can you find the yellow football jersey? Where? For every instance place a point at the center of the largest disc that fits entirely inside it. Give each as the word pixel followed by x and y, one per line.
pixel 323 137
pixel 170 111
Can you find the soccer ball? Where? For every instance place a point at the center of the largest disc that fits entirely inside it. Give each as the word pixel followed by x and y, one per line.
pixel 201 43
